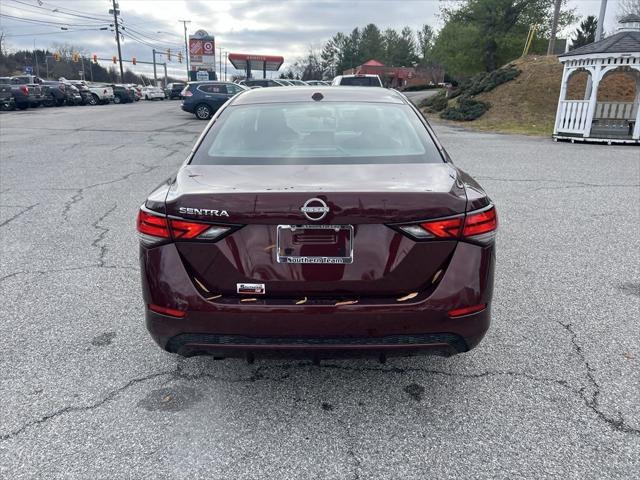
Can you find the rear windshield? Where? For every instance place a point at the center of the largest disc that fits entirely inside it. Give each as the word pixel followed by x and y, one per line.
pixel 360 81
pixel 315 133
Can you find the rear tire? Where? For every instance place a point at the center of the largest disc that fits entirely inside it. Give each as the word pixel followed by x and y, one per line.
pixel 203 111
pixel 93 99
pixel 116 100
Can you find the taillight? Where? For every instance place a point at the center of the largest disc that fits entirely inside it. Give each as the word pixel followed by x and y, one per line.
pixel 479 225
pixel 61 87
pixel 24 89
pixel 186 93
pixel 154 228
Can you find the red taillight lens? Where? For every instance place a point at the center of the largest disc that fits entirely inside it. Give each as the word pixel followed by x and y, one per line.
pixel 172 312
pixel 24 89
pixel 61 87
pixel 154 228
pixel 481 222
pixel 154 225
pixel 184 230
pixel 480 225
pixel 460 312
pixel 186 93
pixel 447 228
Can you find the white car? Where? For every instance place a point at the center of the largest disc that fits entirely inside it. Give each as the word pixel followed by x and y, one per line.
pixel 357 81
pixel 100 94
pixel 151 93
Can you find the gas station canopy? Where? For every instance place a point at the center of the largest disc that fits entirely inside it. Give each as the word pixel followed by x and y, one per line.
pixel 243 61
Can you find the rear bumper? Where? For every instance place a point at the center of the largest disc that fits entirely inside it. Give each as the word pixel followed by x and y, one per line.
pixel 187 107
pixel 235 328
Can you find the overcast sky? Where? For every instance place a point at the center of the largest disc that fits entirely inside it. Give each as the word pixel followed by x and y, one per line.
pixel 287 28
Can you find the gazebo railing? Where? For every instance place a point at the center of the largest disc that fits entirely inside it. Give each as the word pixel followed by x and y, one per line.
pixel 573 116
pixel 616 110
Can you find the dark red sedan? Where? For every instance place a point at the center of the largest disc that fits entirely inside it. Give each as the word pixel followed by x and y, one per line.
pixel 318 220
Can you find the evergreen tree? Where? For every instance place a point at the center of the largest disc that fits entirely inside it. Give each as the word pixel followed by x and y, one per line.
pixel 586 33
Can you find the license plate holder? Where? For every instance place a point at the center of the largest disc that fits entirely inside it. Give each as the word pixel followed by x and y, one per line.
pixel 314 244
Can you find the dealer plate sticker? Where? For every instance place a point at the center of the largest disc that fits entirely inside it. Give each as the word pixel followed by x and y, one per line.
pixel 251 288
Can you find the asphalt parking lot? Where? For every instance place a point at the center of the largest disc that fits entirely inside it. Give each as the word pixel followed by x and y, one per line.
pixel 552 392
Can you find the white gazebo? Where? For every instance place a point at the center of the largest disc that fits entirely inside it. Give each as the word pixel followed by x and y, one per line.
pixel 591 120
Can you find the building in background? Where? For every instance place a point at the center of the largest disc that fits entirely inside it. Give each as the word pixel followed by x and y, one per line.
pixel 400 77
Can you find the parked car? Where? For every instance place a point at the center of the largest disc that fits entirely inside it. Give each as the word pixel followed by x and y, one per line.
pixel 123 94
pixel 27 91
pixel 172 90
pixel 357 81
pixel 203 99
pixel 152 93
pixel 100 93
pixel 318 83
pixel 297 83
pixel 6 97
pixel 85 92
pixel 252 83
pixel 55 93
pixel 319 224
pixel 137 91
pixel 73 95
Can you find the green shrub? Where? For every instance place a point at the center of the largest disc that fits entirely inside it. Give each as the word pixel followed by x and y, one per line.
pixel 435 103
pixel 467 109
pixel 485 82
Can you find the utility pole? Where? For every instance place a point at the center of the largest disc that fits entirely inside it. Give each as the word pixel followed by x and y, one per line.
pixel 117 26
pixel 603 12
pixel 166 80
pixel 219 62
pixel 554 27
pixel 226 58
pixel 186 45
pixel 155 74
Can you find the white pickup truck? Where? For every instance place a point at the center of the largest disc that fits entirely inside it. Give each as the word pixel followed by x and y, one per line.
pixel 99 93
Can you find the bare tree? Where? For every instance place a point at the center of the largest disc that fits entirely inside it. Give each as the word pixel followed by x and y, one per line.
pixel 628 7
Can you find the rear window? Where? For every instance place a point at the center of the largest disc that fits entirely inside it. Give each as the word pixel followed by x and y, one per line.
pixel 360 81
pixel 317 133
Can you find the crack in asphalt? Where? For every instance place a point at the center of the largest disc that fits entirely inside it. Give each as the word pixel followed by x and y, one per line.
pixel 79 195
pixel 82 408
pixel 592 401
pixel 101 234
pixel 563 183
pixel 70 269
pixel 22 212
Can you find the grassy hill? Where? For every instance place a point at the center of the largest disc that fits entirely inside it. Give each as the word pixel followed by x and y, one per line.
pixel 527 104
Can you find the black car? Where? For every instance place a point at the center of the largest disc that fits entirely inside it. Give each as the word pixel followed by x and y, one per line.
pixel 172 90
pixel 84 91
pixel 6 97
pixel 205 98
pixel 122 94
pixel 264 83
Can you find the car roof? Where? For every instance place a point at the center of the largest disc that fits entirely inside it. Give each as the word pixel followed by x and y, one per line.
pixel 330 94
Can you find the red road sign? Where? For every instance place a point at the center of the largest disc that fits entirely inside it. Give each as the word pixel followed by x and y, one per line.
pixel 195 46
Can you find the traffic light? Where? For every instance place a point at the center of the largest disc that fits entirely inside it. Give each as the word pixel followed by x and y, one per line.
pixel 56 56
pixel 169 54
pixel 180 57
pixel 76 57
pixel 133 60
pixel 115 59
pixel 95 58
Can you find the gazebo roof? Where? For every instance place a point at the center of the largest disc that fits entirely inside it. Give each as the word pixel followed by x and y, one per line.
pixel 627 40
pixel 621 42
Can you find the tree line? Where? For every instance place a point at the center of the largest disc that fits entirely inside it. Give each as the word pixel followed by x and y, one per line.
pixel 44 65
pixel 477 36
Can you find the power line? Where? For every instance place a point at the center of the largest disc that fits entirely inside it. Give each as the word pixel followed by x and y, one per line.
pixel 50 13
pixel 55 32
pixel 46 22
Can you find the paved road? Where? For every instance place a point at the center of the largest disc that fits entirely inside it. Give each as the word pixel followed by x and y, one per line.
pixel 417 97
pixel 552 392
